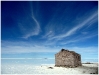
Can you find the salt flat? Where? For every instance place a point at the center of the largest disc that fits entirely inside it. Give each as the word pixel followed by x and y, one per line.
pixel 48 69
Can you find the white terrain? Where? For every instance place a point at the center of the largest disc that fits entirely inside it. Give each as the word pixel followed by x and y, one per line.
pixel 49 69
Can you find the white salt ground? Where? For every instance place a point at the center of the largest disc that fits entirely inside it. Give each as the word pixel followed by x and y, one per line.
pixel 44 69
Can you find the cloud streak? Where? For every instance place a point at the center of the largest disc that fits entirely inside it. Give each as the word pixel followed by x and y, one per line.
pixel 49 34
pixel 76 28
pixel 36 30
pixel 23 49
pixel 79 39
pixel 17 49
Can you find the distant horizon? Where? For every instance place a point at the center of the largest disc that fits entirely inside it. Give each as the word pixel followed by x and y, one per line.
pixel 41 60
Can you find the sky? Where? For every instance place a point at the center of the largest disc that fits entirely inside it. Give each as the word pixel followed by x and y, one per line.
pixel 40 29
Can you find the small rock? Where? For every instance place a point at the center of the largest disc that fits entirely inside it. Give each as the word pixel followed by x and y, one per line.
pixel 90 73
pixel 93 73
pixel 50 67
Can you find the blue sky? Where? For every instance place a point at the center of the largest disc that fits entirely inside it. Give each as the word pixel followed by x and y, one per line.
pixel 34 29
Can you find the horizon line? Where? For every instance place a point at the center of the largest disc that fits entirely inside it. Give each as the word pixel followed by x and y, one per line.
pixel 42 58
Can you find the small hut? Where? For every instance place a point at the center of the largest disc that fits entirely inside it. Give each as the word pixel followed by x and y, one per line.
pixel 66 58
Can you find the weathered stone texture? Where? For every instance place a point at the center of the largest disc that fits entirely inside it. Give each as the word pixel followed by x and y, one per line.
pixel 66 58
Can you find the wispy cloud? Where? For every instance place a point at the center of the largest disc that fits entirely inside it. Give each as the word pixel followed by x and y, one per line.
pixel 86 52
pixel 17 49
pixel 49 34
pixel 34 30
pixel 76 28
pixel 65 36
pixel 77 39
pixel 23 47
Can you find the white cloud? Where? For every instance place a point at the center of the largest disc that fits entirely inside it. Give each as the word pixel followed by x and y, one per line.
pixel 25 49
pixel 10 48
pixel 13 48
pixel 76 28
pixel 79 39
pixel 29 49
pixel 85 49
pixel 49 34
pixel 34 30
pixel 86 52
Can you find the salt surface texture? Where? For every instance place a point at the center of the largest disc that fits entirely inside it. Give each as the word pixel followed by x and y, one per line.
pixel 44 69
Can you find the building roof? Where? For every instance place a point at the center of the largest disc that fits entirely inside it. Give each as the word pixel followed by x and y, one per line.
pixel 66 50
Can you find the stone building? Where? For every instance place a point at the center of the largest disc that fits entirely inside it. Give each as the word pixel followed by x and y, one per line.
pixel 66 58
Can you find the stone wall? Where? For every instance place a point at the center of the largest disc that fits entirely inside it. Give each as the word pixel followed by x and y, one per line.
pixel 66 58
pixel 77 61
